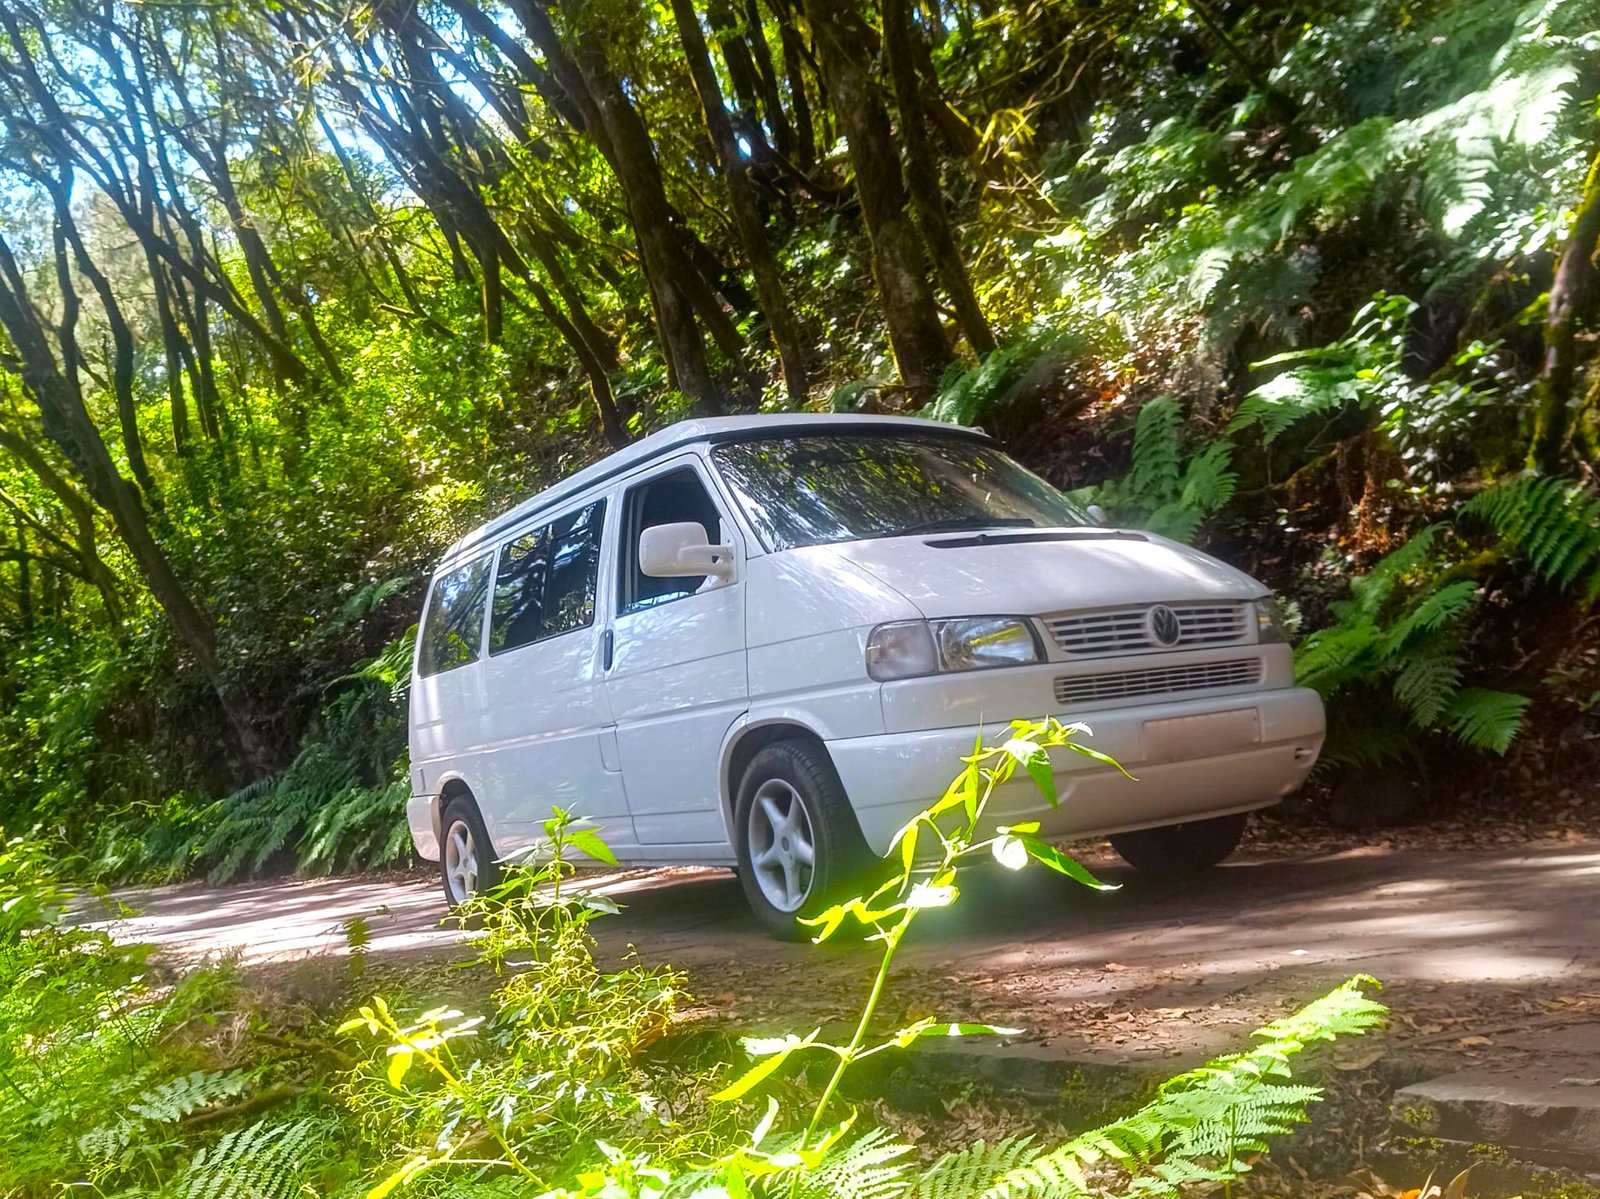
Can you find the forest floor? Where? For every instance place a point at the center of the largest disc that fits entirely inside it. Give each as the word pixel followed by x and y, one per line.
pixel 1469 942
pixel 1486 937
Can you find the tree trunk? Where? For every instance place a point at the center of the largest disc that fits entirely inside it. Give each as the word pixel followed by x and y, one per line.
pixel 844 45
pixel 1570 299
pixel 605 401
pixel 746 210
pixel 794 72
pixel 633 158
pixel 81 514
pixel 922 173
pixel 742 73
pixel 122 345
pixel 67 423
pixel 771 98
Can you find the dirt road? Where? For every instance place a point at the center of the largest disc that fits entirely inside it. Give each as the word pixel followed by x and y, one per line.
pixel 1502 945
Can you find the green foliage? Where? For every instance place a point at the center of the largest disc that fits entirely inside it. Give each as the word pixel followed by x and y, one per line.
pixel 341 803
pixel 968 1171
pixel 557 1066
pixel 1169 490
pixel 1503 102
pixel 32 895
pixel 1554 524
pixel 173 1100
pixel 1202 1124
pixel 986 392
pixel 271 1159
pixel 1398 642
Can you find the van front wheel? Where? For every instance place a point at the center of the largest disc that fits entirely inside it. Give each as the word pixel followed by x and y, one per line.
pixel 798 842
pixel 466 858
pixel 1181 848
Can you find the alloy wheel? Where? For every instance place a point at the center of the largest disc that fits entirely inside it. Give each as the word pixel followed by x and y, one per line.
pixel 783 847
pixel 460 862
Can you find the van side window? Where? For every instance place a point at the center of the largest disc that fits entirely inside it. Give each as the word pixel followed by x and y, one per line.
pixel 453 631
pixel 670 499
pixel 546 582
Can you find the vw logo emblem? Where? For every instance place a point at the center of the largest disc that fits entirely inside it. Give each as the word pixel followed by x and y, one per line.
pixel 1162 625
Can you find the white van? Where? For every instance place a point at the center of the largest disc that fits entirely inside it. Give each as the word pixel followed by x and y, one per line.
pixel 766 642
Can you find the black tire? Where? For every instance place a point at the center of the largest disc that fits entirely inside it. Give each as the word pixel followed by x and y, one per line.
pixel 840 857
pixel 1177 849
pixel 461 810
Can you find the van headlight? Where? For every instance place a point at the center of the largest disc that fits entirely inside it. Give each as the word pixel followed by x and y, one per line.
pixel 1272 622
pixel 909 649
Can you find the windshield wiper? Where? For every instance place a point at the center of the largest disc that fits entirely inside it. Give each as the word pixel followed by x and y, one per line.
pixel 956 524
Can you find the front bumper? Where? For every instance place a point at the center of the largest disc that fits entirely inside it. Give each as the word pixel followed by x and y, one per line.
pixel 1254 763
pixel 419 815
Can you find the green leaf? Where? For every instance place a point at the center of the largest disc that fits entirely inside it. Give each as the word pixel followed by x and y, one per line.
pixel 762 1069
pixel 923 1029
pixel 1104 759
pixel 588 841
pixel 402 1176
pixel 1052 857
pixel 1035 759
pixel 400 1059
pixel 908 846
pixel 1010 852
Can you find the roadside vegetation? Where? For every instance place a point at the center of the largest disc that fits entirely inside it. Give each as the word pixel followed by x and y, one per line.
pixel 122 1079
pixel 290 295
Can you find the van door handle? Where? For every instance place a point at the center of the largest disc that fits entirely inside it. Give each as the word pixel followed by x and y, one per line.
pixel 608 646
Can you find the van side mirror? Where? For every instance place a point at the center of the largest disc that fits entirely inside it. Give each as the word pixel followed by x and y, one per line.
pixel 681 550
pixel 1096 514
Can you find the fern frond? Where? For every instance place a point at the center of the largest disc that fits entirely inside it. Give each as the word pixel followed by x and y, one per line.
pixel 1486 719
pixel 1157 448
pixel 870 1167
pixel 1426 680
pixel 1201 1122
pixel 267 1160
pixel 1436 610
pixel 172 1101
pixel 1289 398
pixel 1553 523
pixel 967 1173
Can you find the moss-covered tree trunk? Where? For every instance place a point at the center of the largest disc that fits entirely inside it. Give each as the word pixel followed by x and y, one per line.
pixel 747 217
pixel 1571 297
pixel 845 46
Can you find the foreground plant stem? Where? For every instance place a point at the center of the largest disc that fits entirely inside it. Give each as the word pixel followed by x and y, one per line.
pixel 848 1055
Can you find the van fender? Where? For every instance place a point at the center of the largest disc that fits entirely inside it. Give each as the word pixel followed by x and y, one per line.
pixel 766 726
pixel 450 781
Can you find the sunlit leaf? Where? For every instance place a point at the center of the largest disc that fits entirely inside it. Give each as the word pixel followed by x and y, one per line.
pixel 400 1058
pixel 1052 857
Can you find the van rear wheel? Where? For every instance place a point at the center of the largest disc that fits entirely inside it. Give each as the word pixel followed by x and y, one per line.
pixel 1176 849
pixel 466 857
pixel 798 842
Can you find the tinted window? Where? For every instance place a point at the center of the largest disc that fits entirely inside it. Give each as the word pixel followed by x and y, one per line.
pixel 546 582
pixel 574 570
pixel 814 490
pixel 519 592
pixel 453 631
pixel 672 499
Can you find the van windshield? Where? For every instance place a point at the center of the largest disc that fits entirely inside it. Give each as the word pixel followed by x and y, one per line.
pixel 801 491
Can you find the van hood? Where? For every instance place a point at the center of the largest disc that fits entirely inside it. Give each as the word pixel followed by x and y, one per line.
pixel 1035 572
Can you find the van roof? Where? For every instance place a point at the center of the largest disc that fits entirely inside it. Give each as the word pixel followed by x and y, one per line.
pixel 690 432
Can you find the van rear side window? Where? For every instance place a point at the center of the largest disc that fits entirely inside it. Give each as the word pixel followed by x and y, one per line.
pixel 452 635
pixel 545 585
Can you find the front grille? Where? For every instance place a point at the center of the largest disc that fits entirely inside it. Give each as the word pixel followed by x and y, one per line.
pixel 1127 630
pixel 1167 680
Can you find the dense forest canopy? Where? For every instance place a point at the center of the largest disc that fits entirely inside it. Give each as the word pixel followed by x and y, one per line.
pixel 291 294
